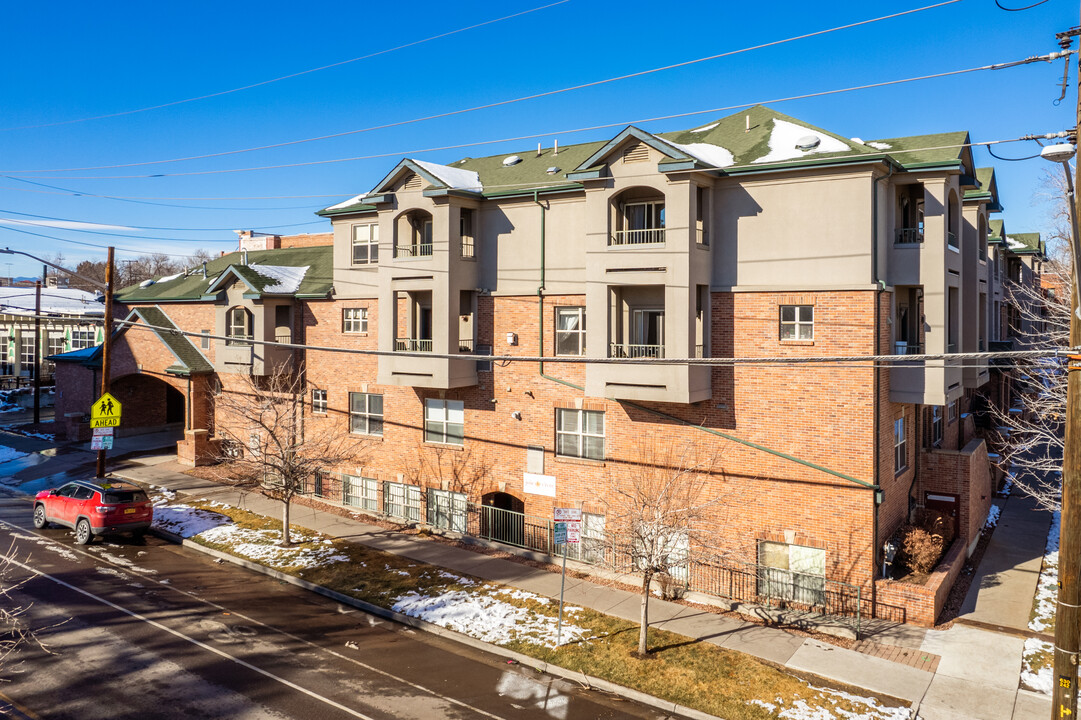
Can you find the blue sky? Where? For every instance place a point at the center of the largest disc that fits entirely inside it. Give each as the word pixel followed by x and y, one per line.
pixel 66 61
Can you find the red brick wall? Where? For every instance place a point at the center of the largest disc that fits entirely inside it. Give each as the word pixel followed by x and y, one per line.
pixel 920 604
pixel 965 473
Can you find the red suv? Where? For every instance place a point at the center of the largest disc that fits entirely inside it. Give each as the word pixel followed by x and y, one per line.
pixel 95 507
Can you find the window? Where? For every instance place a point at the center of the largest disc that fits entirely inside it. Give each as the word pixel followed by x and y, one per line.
pixel 54 345
pixel 447 510
pixel 355 320
pixel 26 354
pixel 360 492
pixel 238 326
pixel 365 244
pixel 936 425
pixel 204 342
pixel 444 421
pixel 797 322
pixel 255 444
pixel 570 331
pixel 365 414
pixel 951 412
pixel 792 572
pixel 643 222
pixel 401 501
pixel 82 337
pixel 465 231
pixel 319 401
pixel 5 354
pixel 900 446
pixel 580 434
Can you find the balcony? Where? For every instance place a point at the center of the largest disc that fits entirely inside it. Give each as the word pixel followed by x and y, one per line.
pixel 622 350
pixel 410 251
pixel 466 346
pixel 413 345
pixel 951 240
pixel 645 236
pixel 901 347
pixel 908 236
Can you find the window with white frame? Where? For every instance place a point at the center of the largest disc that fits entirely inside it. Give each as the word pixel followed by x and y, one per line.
pixel 643 222
pixel 204 341
pixel 238 326
pixel 951 412
pixel 936 424
pixel 355 320
pixel 797 322
pixel 360 492
pixel 900 446
pixel 570 331
pixel 82 337
pixel 26 354
pixel 365 244
pixel 319 401
pixel 365 414
pixel 444 421
pixel 447 510
pixel 54 345
pixel 5 353
pixel 580 433
pixel 792 572
pixel 401 501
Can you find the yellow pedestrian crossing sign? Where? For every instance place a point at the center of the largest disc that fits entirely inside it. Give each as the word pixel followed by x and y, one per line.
pixel 105 412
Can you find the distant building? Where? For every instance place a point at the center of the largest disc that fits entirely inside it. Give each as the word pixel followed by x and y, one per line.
pixel 68 325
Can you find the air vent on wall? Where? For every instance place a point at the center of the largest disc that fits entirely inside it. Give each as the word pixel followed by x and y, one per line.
pixel 636 153
pixel 413 182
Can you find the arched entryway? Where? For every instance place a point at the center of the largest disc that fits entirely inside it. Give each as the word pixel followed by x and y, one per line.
pixel 149 403
pixel 502 518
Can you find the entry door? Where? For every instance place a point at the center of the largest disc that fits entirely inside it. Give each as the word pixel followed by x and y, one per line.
pixel 947 505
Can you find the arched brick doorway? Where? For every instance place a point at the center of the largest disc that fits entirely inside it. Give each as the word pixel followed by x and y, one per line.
pixel 150 404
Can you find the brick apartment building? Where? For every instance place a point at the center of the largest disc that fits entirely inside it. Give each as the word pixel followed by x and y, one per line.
pixel 751 237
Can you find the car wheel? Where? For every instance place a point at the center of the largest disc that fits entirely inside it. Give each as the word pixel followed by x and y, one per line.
pixel 83 535
pixel 39 517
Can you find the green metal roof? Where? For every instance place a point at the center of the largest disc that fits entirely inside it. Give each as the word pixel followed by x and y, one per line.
pixel 912 150
pixel 1025 243
pixel 317 280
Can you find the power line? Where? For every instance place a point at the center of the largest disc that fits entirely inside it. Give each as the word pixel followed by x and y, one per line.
pixel 285 77
pixel 145 227
pixel 997 66
pixel 500 103
pixel 93 245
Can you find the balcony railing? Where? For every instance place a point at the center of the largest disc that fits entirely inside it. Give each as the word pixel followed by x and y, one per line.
pixel 620 350
pixel 951 240
pixel 283 337
pixel 468 249
pixel 908 236
pixel 412 344
pixel 650 236
pixel 239 340
pixel 702 236
pixel 699 351
pixel 900 347
pixel 466 346
pixel 421 250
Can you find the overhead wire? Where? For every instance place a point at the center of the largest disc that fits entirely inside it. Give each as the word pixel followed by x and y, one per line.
pixel 487 106
pixel 132 227
pixel 602 126
pixel 261 83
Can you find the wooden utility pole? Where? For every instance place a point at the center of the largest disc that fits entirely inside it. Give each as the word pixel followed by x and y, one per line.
pixel 106 345
pixel 1064 704
pixel 37 353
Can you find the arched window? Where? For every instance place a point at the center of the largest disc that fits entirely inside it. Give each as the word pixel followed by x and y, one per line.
pixel 414 235
pixel 238 326
pixel 639 218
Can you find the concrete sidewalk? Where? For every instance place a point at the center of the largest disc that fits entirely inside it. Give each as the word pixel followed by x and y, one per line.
pixel 776 646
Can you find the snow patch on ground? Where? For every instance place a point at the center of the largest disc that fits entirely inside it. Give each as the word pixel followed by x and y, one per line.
pixel 17 430
pixel 1038 679
pixel 785 135
pixel 992 517
pixel 487 618
pixel 1047 588
pixel 184 520
pixel 865 708
pixel 124 562
pixel 7 454
pixel 260 546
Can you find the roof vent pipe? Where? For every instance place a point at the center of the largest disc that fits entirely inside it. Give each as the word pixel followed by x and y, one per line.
pixel 244 258
pixel 204 269
pixel 555 148
pixel 748 128
pixel 538 149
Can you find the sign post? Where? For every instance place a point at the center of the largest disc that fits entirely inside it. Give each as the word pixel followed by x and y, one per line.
pixel 568 529
pixel 104 416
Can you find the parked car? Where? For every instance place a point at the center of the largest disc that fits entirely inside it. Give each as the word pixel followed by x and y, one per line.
pixel 95 507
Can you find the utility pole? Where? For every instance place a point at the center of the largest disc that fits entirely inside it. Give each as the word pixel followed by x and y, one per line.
pixel 37 352
pixel 1064 702
pixel 106 345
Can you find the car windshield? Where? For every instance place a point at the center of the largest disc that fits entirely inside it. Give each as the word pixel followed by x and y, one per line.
pixel 124 496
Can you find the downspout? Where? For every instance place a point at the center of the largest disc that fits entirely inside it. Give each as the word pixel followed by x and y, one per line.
pixel 876 425
pixel 540 298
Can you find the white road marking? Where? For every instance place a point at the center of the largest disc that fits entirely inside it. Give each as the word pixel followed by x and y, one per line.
pixel 372 621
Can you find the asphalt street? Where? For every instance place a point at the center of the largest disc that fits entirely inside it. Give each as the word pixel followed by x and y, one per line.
pixel 138 629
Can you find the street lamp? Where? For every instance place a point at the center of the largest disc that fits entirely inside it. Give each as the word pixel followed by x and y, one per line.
pixel 107 286
pixel 1067 632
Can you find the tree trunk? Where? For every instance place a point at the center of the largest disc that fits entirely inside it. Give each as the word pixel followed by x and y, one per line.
pixel 647 579
pixel 285 523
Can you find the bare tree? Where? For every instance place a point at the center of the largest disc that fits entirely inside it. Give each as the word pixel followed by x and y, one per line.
pixel 14 630
pixel 1035 423
pixel 661 504
pixel 464 470
pixel 265 440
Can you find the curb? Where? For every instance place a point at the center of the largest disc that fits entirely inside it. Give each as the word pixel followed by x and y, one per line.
pixel 591 683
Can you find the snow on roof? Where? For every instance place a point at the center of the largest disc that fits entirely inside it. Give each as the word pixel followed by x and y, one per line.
pixel 785 136
pixel 879 145
pixel 167 278
pixel 454 178
pixel 706 127
pixel 1015 245
pixel 347 203
pixel 713 155
pixel 54 301
pixel 286 278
